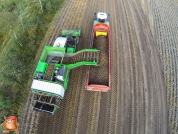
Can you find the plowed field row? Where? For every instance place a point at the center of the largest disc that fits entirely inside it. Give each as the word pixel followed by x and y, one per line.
pixel 27 115
pixel 87 110
pixel 153 96
pixel 164 14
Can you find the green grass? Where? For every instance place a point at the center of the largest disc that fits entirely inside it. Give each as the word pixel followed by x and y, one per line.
pixel 18 48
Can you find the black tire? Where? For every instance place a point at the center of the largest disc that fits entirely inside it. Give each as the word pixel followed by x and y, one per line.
pixel 95 16
pixel 108 18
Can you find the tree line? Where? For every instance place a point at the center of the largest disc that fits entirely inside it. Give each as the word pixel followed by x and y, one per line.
pixel 23 25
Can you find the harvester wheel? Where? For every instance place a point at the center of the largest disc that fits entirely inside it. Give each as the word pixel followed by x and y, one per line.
pixel 77 39
pixel 57 102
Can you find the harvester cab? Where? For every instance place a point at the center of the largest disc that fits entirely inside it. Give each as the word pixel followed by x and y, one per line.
pixel 101 17
pixel 70 38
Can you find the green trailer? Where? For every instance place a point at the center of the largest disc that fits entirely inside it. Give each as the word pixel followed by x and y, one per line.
pixel 51 76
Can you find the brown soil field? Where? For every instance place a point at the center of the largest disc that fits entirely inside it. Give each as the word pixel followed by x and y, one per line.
pixel 137 101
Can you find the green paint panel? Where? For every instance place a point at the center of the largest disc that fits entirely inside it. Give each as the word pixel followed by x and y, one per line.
pixel 54 110
pixel 57 65
pixel 70 50
pixel 41 67
pixel 88 50
pixel 51 50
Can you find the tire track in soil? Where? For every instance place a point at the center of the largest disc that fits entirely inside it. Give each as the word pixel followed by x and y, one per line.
pixel 125 86
pixel 80 103
pixel 25 116
pixel 73 86
pixel 114 92
pixel 28 117
pixel 136 89
pixel 166 20
pixel 151 81
pixel 159 95
pixel 135 81
pixel 159 98
pixel 87 99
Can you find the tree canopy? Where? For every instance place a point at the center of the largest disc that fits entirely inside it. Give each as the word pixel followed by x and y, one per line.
pixel 23 25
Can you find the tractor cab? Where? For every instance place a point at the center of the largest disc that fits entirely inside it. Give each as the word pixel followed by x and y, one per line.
pixel 68 39
pixel 60 73
pixel 71 43
pixel 101 17
pixel 67 42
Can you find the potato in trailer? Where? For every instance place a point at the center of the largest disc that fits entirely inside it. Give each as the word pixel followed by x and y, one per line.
pixel 99 78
